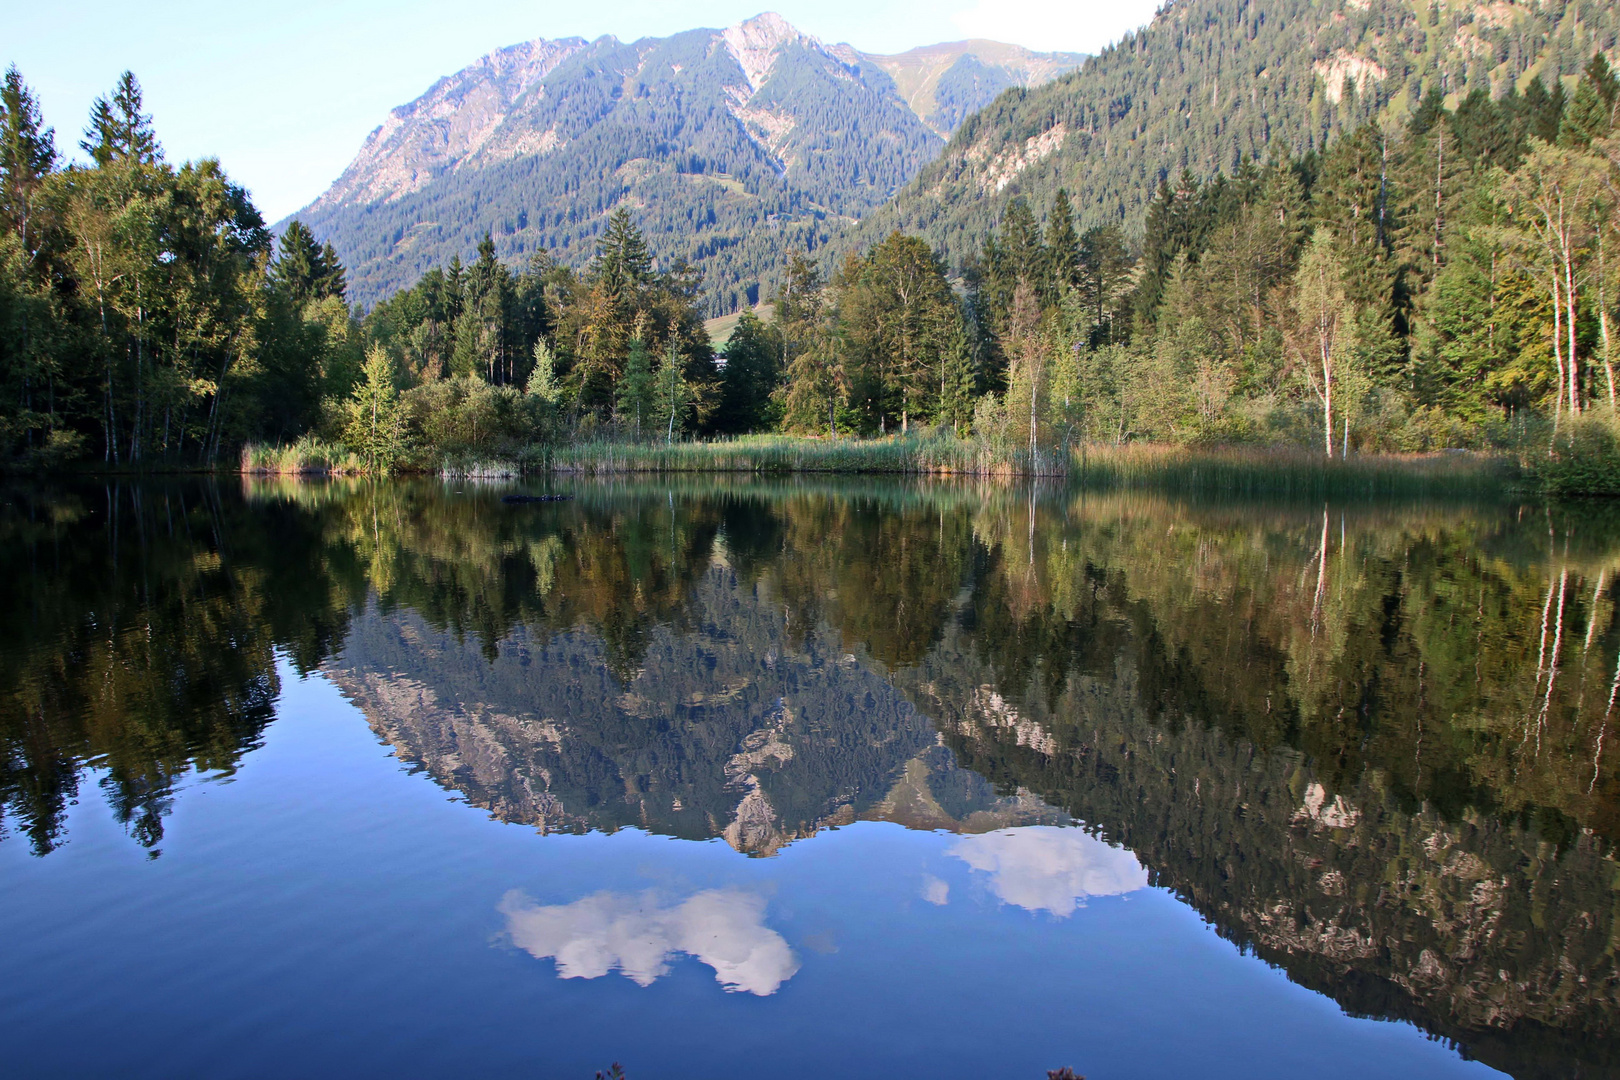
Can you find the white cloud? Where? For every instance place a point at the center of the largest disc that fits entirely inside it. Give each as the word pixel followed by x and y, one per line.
pixel 1050 26
pixel 723 928
pixel 934 890
pixel 1045 868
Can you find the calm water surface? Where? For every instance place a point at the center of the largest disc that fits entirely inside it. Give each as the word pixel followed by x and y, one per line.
pixel 806 780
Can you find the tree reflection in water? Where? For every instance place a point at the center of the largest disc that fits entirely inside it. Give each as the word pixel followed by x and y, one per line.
pixel 1372 743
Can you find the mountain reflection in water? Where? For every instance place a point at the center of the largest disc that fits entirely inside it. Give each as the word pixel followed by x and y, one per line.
pixel 1370 744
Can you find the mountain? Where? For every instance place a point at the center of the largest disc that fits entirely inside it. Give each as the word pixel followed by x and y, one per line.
pixel 1210 83
pixel 730 144
pixel 945 84
pixel 722 731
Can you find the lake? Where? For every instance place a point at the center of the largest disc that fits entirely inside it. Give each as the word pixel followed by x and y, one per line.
pixel 804 778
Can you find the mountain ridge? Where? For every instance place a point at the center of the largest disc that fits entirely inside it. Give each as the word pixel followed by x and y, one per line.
pixel 1210 84
pixel 757 128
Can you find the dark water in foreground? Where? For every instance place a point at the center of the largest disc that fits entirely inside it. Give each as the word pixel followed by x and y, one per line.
pixel 805 780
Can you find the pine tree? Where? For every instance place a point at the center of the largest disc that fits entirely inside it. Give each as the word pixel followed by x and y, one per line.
pixel 299 268
pixel 817 386
pixel 958 381
pixel 334 280
pixel 1103 278
pixel 1025 254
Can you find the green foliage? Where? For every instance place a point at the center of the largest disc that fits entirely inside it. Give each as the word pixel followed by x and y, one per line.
pixel 376 422
pixel 752 372
pixel 119 133
pixel 896 319
pixel 635 391
pixel 543 386
pixel 674 399
pixel 305 270
pixel 1211 84
pixel 1585 459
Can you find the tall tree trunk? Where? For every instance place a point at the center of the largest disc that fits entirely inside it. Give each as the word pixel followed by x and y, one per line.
pixel 1570 331
pixel 1603 312
pixel 1558 350
pixel 1327 396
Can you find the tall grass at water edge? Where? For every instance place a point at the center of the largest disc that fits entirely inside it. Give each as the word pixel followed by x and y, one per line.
pixel 1227 471
pixel 308 456
pixel 914 455
pixel 1220 471
pixel 1290 472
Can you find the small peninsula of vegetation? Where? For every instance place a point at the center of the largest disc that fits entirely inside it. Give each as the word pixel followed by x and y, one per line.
pixel 1449 286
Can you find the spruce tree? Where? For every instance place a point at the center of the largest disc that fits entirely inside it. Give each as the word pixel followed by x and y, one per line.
pixel 958 381
pixel 119 133
pixel 334 280
pixel 1062 243
pixel 543 385
pixel 299 267
pixel 634 395
pixel 1590 115
pixel 27 156
pixel 1026 255
pixel 622 258
pixel 1103 278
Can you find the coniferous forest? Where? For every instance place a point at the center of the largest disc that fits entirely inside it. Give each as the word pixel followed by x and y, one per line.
pixel 1445 283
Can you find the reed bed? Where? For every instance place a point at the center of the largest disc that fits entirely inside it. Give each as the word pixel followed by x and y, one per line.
pixel 932 455
pixel 482 469
pixel 1290 472
pixel 1236 471
pixel 308 456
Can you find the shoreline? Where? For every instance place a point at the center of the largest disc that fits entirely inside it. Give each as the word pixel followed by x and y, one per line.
pixel 1230 470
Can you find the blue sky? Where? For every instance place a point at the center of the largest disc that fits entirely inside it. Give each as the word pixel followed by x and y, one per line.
pixel 284 93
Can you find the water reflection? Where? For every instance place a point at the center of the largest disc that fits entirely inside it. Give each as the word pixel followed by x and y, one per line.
pixel 1371 744
pixel 636 936
pixel 1047 869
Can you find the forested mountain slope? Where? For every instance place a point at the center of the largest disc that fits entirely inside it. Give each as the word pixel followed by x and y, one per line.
pixel 730 144
pixel 1210 83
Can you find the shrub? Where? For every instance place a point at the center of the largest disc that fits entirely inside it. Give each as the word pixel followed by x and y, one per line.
pixel 1585 459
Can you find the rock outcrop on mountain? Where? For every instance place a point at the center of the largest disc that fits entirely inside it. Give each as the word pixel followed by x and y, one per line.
pixel 1209 84
pixel 729 144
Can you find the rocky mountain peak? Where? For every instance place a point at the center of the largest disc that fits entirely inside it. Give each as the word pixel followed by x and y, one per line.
pixel 755 43
pixel 733 144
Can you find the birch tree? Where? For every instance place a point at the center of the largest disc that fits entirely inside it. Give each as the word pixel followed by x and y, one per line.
pixel 1322 322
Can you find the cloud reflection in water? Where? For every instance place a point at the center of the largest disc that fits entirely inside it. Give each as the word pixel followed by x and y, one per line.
pixel 724 928
pixel 1045 868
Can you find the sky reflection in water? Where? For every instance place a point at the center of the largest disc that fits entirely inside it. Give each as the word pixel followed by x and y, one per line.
pixel 798 759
